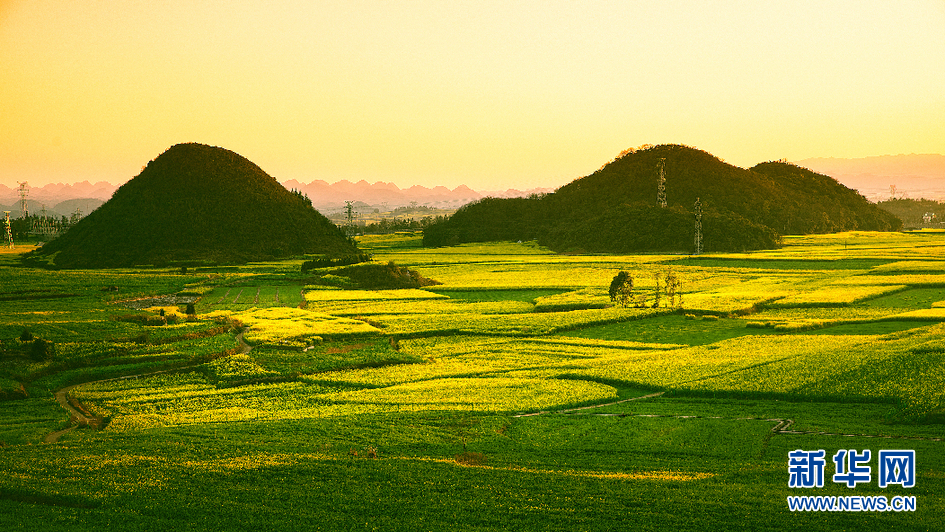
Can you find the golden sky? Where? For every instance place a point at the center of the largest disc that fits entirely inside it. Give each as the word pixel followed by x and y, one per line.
pixel 491 94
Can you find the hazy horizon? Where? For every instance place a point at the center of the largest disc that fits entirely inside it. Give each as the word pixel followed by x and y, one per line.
pixel 490 95
pixel 842 166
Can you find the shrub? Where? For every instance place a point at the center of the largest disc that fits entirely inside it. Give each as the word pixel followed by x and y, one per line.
pixel 328 263
pixel 388 276
pixel 471 458
pixel 26 336
pixel 620 288
pixel 42 350
pixel 137 317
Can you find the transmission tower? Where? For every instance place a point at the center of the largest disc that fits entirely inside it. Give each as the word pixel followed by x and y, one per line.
pixel 698 240
pixel 9 229
pixel 45 225
pixel 661 189
pixel 24 191
pixel 349 210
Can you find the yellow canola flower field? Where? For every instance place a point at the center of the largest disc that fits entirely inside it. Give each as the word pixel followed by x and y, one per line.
pixel 518 276
pixel 499 394
pixel 501 356
pixel 937 313
pixel 910 279
pixel 420 306
pixel 277 325
pixel 512 324
pixel 910 266
pixel 836 295
pixel 148 407
pixel 733 358
pixel 316 296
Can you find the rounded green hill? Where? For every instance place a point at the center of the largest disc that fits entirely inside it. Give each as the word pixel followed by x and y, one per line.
pixel 615 209
pixel 197 203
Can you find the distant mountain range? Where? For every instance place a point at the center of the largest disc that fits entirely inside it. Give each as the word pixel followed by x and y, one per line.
pixel 330 197
pixel 62 200
pixel 58 199
pixel 915 176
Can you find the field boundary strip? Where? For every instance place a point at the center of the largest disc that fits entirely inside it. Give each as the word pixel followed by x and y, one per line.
pixel 781 427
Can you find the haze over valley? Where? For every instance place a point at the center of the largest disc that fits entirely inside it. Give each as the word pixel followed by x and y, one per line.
pixel 914 176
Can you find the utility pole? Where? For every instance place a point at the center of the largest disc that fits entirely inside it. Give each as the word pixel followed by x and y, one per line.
pixel 6 215
pixel 661 188
pixel 698 239
pixel 24 191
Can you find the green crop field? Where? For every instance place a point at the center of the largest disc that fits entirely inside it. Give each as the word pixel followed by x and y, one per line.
pixel 515 395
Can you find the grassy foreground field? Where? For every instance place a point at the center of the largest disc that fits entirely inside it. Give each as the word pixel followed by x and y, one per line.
pixel 512 396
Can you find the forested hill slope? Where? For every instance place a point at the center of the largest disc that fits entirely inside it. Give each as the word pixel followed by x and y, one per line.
pixel 197 203
pixel 615 209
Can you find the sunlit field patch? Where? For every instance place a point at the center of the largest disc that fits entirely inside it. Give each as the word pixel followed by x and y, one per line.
pixel 585 298
pixel 498 394
pixel 294 327
pixel 836 295
pixel 509 324
pixel 316 296
pixel 911 266
pixel 242 296
pixel 419 306
pixel 670 330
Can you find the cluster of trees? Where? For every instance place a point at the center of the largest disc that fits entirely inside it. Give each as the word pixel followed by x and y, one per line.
pixel 912 211
pixel 392 225
pixel 615 209
pixel 622 228
pixel 38 349
pixel 667 291
pixel 328 262
pixel 27 228
pixel 490 219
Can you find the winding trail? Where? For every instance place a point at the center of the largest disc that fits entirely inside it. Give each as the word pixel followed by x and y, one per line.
pixel 81 418
pixel 78 419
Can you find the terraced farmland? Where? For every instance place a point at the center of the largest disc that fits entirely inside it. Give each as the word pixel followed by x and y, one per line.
pixel 514 392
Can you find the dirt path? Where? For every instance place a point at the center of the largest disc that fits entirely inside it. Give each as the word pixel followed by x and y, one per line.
pixel 78 419
pixel 81 418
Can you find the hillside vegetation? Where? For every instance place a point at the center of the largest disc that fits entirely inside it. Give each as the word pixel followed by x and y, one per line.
pixel 912 211
pixel 615 209
pixel 197 203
